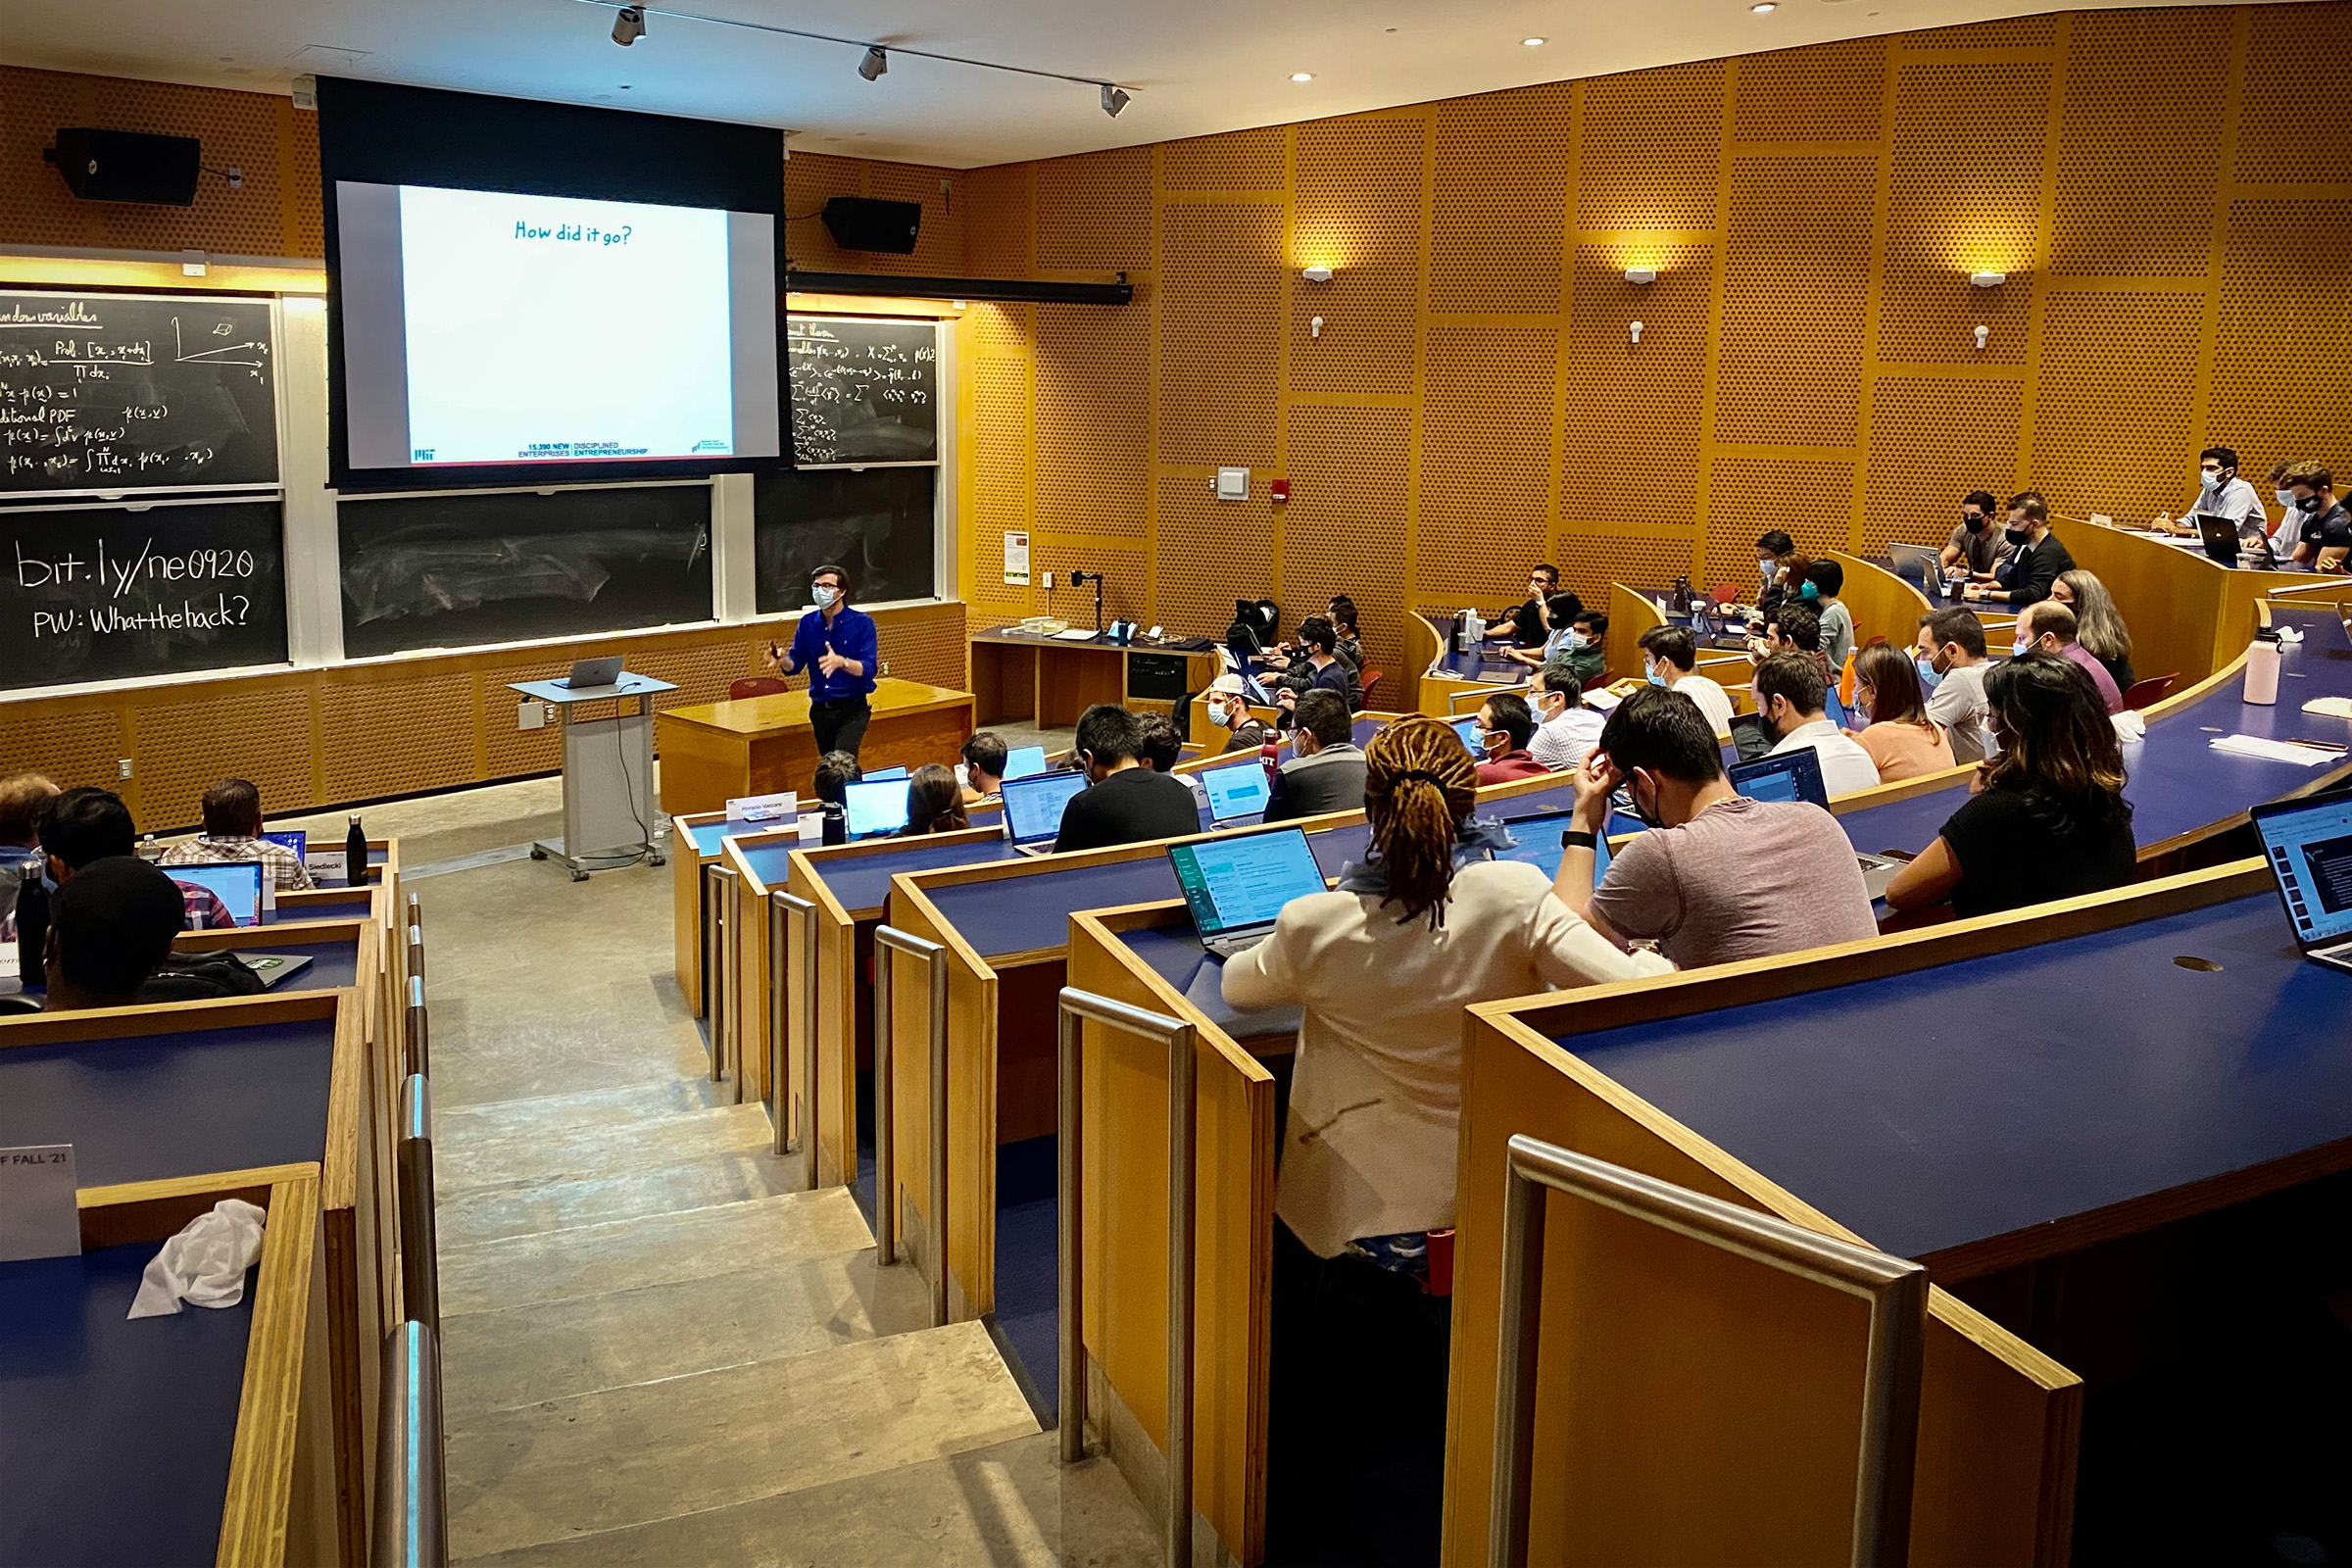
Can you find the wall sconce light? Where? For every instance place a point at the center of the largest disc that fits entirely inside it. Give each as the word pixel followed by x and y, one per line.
pixel 1318 274
pixel 1988 279
pixel 1634 328
pixel 1314 327
pixel 1983 332
pixel 1640 275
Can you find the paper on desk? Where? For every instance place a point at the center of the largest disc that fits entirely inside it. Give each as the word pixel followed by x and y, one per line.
pixel 2275 751
pixel 204 1264
pixel 2329 706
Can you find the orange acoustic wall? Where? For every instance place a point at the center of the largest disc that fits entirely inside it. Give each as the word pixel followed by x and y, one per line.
pixel 2167 191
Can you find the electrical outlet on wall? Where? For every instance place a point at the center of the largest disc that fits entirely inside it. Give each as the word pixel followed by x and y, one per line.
pixel 1049 582
pixel 122 768
pixel 528 714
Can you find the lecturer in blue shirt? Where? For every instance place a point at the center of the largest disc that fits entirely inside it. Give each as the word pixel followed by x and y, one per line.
pixel 838 645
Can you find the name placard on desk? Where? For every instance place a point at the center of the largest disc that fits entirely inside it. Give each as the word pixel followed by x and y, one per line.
pixel 764 808
pixel 38 1216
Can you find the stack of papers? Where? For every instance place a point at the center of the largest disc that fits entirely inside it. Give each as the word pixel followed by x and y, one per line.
pixel 2275 751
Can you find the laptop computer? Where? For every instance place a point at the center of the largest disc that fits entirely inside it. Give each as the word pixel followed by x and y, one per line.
pixel 2309 845
pixel 1033 808
pixel 1919 564
pixel 873 808
pixel 1235 887
pixel 1238 790
pixel 1796 776
pixel 588 672
pixel 298 841
pixel 2221 539
pixel 235 883
pixel 884 775
pixel 1538 835
pixel 1024 761
pixel 274 967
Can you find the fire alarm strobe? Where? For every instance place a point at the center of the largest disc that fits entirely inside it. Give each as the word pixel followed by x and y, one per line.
pixel 1279 489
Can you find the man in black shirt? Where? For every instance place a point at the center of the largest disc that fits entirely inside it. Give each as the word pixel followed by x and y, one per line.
pixel 1524 625
pixel 2038 560
pixel 1319 667
pixel 2323 528
pixel 1125 800
pixel 1328 773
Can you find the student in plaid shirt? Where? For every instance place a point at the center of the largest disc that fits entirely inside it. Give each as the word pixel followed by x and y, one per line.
pixel 233 831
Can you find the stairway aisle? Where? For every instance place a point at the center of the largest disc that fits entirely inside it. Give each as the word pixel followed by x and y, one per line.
pixel 655 1349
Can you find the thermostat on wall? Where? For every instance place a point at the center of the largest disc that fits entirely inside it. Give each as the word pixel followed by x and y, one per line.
pixel 1232 484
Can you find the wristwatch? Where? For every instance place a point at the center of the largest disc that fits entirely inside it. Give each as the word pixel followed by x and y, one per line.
pixel 1577 839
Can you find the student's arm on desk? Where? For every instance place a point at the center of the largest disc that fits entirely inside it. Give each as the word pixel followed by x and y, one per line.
pixel 1926 881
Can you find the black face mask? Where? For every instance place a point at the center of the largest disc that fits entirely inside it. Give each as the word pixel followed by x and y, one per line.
pixel 1647 816
pixel 2016 536
pixel 1770 730
pixel 1974 523
pixel 2308 504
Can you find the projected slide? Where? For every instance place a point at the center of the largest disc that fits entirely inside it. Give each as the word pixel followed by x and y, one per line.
pixel 485 330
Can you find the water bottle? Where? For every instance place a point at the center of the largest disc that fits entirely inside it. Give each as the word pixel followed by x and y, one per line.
pixel 150 851
pixel 32 924
pixel 2261 668
pixel 354 849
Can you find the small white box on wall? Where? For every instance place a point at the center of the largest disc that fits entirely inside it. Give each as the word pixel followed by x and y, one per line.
pixel 1232 484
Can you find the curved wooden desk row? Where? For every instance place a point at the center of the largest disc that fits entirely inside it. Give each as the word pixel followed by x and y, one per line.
pixel 296 1085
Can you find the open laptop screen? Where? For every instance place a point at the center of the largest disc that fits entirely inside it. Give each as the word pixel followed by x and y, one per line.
pixel 236 883
pixel 1239 789
pixel 1024 761
pixel 1233 884
pixel 1033 806
pixel 298 841
pixel 884 775
pixel 872 808
pixel 1539 845
pixel 1788 777
pixel 2309 844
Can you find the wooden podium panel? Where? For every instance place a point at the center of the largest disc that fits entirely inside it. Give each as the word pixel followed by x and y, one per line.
pixel 722 751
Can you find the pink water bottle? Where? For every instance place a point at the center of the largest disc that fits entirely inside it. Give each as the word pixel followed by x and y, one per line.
pixel 2261 668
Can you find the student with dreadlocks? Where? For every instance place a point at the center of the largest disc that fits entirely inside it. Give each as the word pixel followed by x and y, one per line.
pixel 1428 923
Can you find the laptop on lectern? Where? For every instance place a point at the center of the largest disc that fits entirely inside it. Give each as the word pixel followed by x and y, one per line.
pixel 587 673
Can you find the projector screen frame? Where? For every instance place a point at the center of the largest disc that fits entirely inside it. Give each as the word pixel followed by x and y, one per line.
pixel 379 133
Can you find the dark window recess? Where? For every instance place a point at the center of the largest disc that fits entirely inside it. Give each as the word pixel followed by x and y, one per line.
pixel 878 524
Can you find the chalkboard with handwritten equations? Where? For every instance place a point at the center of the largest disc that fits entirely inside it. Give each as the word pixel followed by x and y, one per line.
pixel 105 393
pixel 106 593
pixel 864 390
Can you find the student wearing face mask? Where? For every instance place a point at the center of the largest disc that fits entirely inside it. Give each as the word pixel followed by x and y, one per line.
pixel 1791 695
pixel 1559 614
pixel 1669 655
pixel 1949 657
pixel 1566 730
pixel 2289 533
pixel 1825 580
pixel 840 649
pixel 1976 546
pixel 1229 710
pixel 1902 741
pixel 2034 563
pixel 1125 802
pixel 2221 493
pixel 1718 877
pixel 1774 553
pixel 1505 726
pixel 2323 537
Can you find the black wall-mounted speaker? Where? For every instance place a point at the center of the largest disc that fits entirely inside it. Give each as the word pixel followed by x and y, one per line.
pixel 128 166
pixel 862 224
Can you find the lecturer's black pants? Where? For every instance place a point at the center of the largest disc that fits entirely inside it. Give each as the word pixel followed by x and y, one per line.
pixel 839 725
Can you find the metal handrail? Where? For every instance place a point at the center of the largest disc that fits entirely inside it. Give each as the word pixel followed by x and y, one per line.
pixel 781 908
pixel 1180 1037
pixel 709 927
pixel 1454 700
pixel 721 1004
pixel 416 950
pixel 415 913
pixel 412 1502
pixel 413 1159
pixel 420 1051
pixel 1895 1288
pixel 888 939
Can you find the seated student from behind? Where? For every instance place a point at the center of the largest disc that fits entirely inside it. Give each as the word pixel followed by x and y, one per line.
pixel 984 758
pixel 1949 657
pixel 1718 877
pixel 1669 655
pixel 1901 740
pixel 111 926
pixel 1566 730
pixel 20 801
pixel 934 803
pixel 233 831
pixel 1326 774
pixel 1508 727
pixel 1162 744
pixel 89 824
pixel 1228 710
pixel 1125 800
pixel 2047 819
pixel 1427 923
pixel 1791 692
pixel 2050 627
pixel 836 772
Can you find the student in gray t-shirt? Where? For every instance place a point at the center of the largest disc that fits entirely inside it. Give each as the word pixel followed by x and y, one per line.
pixel 1718 877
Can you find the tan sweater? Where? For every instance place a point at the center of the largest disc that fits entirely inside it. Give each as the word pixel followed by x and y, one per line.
pixel 1376 1095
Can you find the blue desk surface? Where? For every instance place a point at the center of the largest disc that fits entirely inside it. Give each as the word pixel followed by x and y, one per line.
pixel 1174 952
pixel 117 1437
pixel 863 883
pixel 334 962
pixel 141 1109
pixel 1455 665
pixel 1928 1112
pixel 2178 782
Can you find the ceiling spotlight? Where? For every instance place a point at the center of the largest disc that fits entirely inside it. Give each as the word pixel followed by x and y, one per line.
pixel 1303 76
pixel 1532 44
pixel 628 26
pixel 1114 99
pixel 876 63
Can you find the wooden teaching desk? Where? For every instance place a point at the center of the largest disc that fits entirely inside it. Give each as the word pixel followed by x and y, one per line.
pixel 1048 683
pixel 1449 680
pixel 720 752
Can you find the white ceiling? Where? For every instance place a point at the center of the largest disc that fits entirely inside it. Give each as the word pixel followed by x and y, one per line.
pixel 1195 67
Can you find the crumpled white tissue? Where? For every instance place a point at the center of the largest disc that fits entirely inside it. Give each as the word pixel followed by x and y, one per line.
pixel 205 1265
pixel 2130 726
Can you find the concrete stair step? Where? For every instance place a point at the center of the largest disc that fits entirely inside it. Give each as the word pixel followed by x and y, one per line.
pixel 495 1213
pixel 518 1156
pixel 589 1110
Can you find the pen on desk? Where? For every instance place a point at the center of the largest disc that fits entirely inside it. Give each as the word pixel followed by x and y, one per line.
pixel 2319 745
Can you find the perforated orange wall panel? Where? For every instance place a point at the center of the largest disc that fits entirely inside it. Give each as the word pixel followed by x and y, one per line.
pixel 1795 293
pixel 1346 533
pixel 1357 211
pixel 1096 212
pixel 1486 458
pixel 1932 441
pixel 2113 434
pixel 1221 288
pixel 2138 134
pixel 1501 178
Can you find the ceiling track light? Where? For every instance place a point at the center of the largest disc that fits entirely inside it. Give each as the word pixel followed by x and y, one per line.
pixel 630 21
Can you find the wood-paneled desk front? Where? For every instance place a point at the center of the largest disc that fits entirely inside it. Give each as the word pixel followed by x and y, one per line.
pixel 720 752
pixel 1048 681
pixel 2186 612
pixel 201 1438
pixel 185 1089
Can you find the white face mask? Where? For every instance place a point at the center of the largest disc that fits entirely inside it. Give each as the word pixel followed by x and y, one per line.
pixel 2209 479
pixel 1766 566
pixel 1577 639
pixel 825 595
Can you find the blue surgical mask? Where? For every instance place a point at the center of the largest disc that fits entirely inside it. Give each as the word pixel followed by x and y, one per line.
pixel 1657 677
pixel 1811 590
pixel 825 595
pixel 1928 678
pixel 2287 498
pixel 2210 480
pixel 1577 639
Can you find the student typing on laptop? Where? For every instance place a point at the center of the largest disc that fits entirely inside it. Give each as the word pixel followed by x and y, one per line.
pixel 1125 802
pixel 1327 774
pixel 233 831
pixel 1422 927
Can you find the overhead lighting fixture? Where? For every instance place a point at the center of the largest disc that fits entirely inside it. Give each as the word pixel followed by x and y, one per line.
pixel 1303 76
pixel 1532 44
pixel 1640 275
pixel 1114 99
pixel 628 26
pixel 1988 279
pixel 876 63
